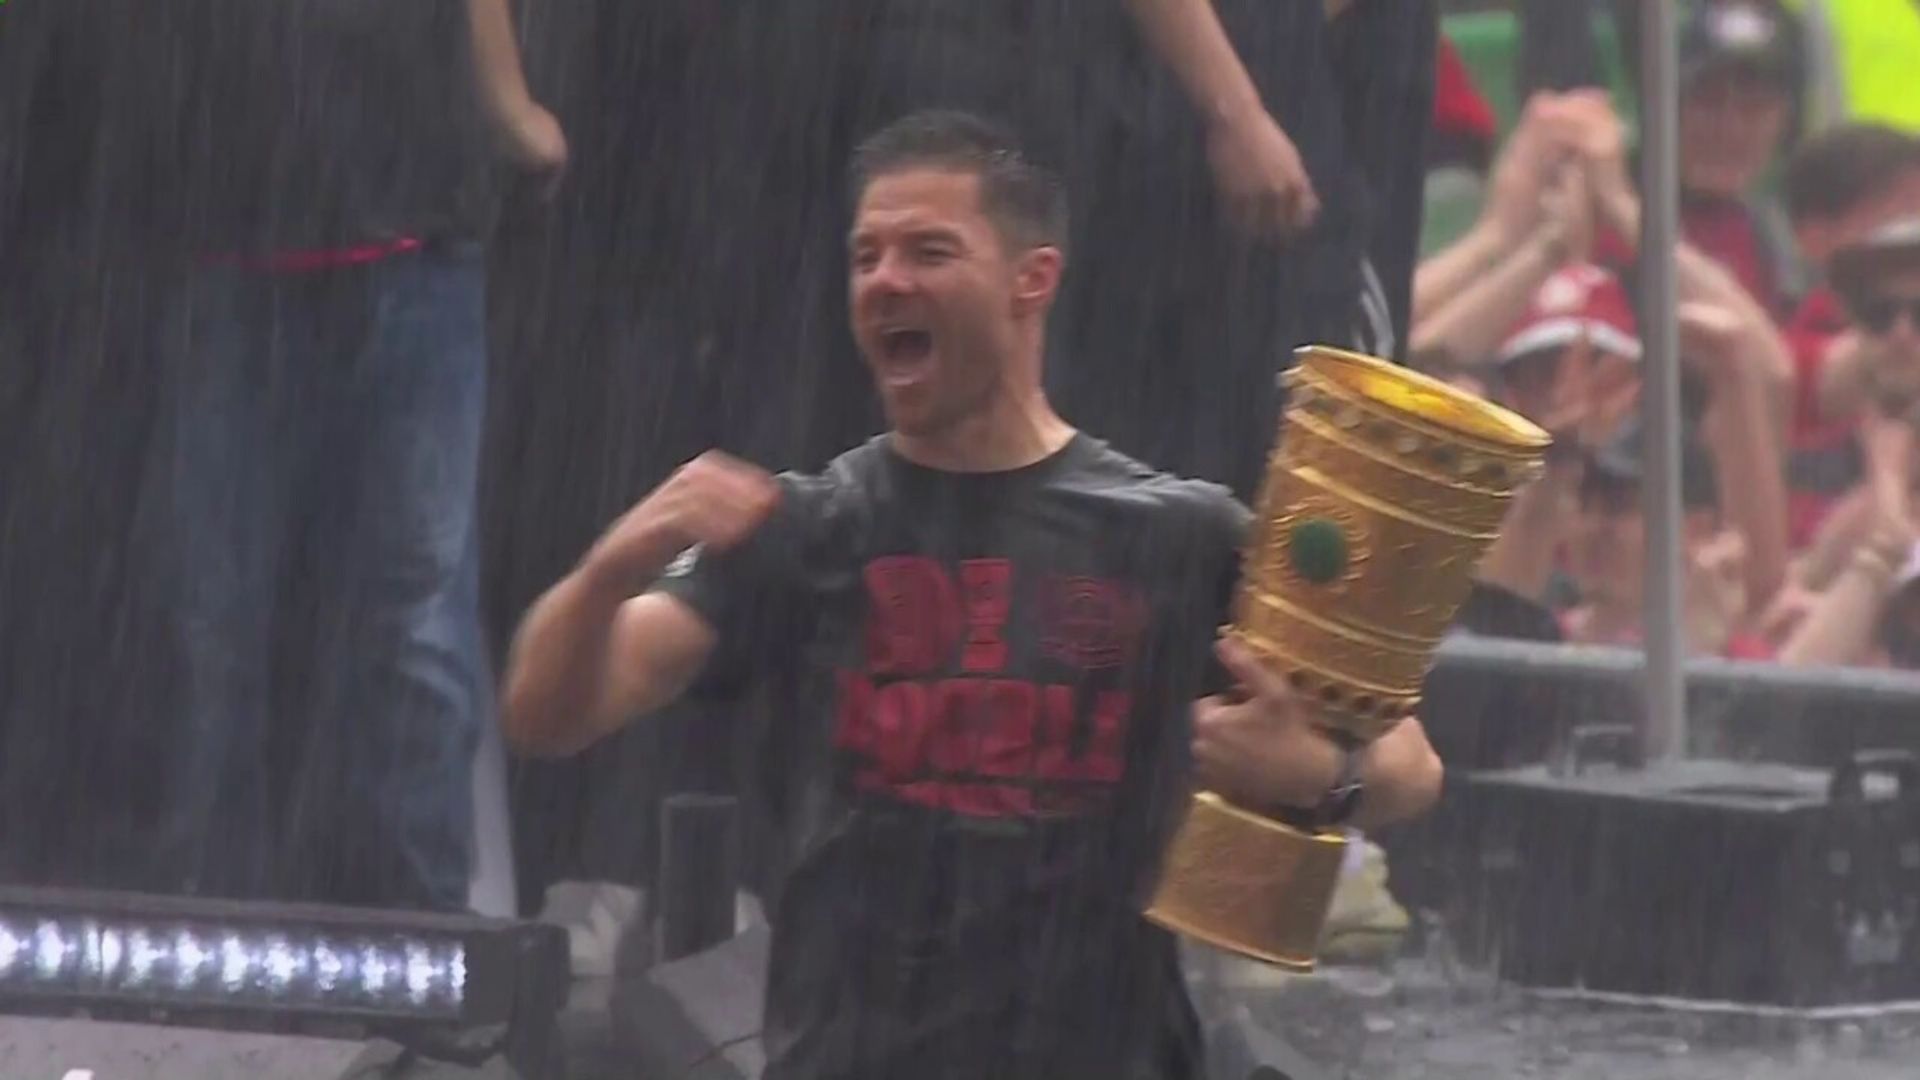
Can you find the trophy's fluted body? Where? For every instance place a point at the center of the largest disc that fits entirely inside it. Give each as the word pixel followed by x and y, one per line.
pixel 1383 494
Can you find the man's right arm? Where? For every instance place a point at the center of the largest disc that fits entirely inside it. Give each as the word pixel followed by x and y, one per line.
pixel 598 649
pixel 589 658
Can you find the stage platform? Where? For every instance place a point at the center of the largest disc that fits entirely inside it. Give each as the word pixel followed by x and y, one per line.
pixel 1420 1022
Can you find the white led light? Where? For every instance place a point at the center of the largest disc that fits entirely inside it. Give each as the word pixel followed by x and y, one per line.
pixel 234 963
pixel 142 954
pixel 422 973
pixel 281 963
pixel 194 960
pixel 13 950
pixel 190 960
pixel 49 950
pixel 375 970
pixel 327 968
pixel 106 958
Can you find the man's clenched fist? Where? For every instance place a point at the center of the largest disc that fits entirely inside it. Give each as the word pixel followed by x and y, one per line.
pixel 714 501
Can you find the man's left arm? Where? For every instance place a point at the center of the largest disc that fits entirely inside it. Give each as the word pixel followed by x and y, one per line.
pixel 1261 748
pixel 1401 774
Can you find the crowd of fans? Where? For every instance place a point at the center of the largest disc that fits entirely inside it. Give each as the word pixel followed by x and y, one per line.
pixel 1797 274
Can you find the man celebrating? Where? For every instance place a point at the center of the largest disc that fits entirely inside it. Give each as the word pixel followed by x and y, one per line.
pixel 992 631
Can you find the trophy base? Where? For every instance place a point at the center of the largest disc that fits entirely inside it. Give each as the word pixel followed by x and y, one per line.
pixel 1248 884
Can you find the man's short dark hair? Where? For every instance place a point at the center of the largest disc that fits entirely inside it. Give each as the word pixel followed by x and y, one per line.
pixel 1844 166
pixel 1025 201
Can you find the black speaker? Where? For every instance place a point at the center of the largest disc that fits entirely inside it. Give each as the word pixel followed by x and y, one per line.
pixel 1707 880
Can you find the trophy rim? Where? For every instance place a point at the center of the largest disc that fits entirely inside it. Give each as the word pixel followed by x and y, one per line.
pixel 1433 402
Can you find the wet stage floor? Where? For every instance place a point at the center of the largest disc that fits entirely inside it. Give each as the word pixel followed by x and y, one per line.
pixel 1412 1024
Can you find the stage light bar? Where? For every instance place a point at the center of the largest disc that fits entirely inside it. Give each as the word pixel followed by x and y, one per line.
pixel 164 952
pixel 190 960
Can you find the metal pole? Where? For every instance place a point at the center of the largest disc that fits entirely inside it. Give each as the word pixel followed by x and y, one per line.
pixel 1666 732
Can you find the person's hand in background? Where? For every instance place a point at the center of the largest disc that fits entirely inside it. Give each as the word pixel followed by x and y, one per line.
pixel 1887 447
pixel 1566 213
pixel 1593 394
pixel 524 133
pixel 1528 165
pixel 1892 377
pixel 532 141
pixel 1709 339
pixel 1840 627
pixel 1731 356
pixel 1718 344
pixel 1264 187
pixel 1785 614
pixel 1714 591
pixel 1599 138
pixel 1262 180
pixel 1860 372
pixel 1465 297
pixel 1542 517
pixel 1887 444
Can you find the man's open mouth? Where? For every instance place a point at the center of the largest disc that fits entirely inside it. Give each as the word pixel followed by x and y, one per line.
pixel 905 353
pixel 905 346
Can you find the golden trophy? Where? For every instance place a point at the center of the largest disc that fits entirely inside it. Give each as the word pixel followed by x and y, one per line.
pixel 1384 492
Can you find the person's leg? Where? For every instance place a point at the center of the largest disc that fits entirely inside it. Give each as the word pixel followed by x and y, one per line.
pixel 213 535
pixel 403 677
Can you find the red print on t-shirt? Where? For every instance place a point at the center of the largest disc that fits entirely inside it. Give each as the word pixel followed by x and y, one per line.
pixel 934 720
pixel 1089 623
pixel 913 617
pixel 988 584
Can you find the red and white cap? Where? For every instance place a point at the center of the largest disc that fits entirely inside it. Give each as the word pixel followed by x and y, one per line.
pixel 1582 300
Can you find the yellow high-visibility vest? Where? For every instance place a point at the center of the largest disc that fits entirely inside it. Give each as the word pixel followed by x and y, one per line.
pixel 1864 62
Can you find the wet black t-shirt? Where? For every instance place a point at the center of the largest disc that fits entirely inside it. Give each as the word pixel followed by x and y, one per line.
pixel 988 743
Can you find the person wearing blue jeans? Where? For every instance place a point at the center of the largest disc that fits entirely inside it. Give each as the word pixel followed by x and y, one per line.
pixel 319 467
pixel 310 522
